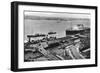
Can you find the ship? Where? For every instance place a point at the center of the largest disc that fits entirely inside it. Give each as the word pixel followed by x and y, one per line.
pixel 77 29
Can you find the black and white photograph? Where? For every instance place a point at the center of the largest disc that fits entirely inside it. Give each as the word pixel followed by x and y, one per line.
pixel 52 36
pixel 56 36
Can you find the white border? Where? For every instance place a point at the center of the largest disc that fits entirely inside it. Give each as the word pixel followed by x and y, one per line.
pixel 22 64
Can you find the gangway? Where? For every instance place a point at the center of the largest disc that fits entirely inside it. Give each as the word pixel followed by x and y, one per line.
pixel 73 51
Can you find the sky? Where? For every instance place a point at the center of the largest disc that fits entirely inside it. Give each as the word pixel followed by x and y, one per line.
pixel 57 14
pixel 44 22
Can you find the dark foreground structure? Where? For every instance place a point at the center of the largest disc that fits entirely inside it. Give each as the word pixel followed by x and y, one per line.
pixel 76 45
